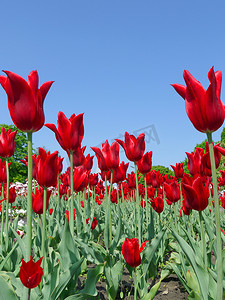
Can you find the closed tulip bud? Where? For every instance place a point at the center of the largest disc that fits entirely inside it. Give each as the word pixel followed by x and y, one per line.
pixel 131 252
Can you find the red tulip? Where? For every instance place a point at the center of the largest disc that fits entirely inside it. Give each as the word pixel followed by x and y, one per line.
pixel 31 273
pixel 50 211
pixel 178 170
pixel 70 131
pixel 47 168
pixel 25 100
pixel 3 176
pixel 172 191
pixel 133 147
pixel 7 142
pixel 38 200
pixel 88 162
pixel 204 107
pixel 92 180
pixel 145 163
pixel 131 180
pixel 67 214
pixel 158 204
pixel 78 156
pixel 196 195
pixel 194 161
pixel 119 174
pixel 12 194
pixel 108 158
pixel 131 252
pixel 34 159
pixel 80 178
pixel 94 223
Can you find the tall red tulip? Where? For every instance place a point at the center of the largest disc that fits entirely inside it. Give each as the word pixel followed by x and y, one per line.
pixel 25 100
pixel 7 142
pixel 47 168
pixel 70 131
pixel 119 174
pixel 3 176
pixel 133 147
pixel 158 204
pixel 204 107
pixel 108 158
pixel 31 273
pixel 178 170
pixel 80 178
pixel 196 195
pixel 131 252
pixel 94 223
pixel 172 191
pixel 78 156
pixel 194 161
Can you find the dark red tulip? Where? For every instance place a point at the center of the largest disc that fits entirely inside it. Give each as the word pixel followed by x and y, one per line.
pixel 196 195
pixel 131 252
pixel 108 158
pixel 119 174
pixel 204 107
pixel 25 100
pixel 158 204
pixel 145 163
pixel 34 159
pixel 92 180
pixel 133 147
pixel 38 200
pixel 172 191
pixel 3 176
pixel 131 180
pixel 31 273
pixel 80 178
pixel 50 211
pixel 78 156
pixel 94 223
pixel 70 131
pixel 88 162
pixel 178 170
pixel 7 142
pixel 154 178
pixel 67 214
pixel 60 164
pixel 194 161
pixel 47 168
pixel 12 193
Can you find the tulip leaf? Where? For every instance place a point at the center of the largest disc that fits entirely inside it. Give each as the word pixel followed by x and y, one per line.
pixel 20 242
pixel 113 277
pixel 117 235
pixel 67 248
pixel 201 274
pixel 93 252
pixel 64 279
pixel 8 256
pixel 7 291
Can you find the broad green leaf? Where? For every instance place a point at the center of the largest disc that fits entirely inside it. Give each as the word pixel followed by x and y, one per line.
pixel 7 291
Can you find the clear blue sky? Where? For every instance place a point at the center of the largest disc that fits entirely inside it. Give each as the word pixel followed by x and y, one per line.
pixel 114 61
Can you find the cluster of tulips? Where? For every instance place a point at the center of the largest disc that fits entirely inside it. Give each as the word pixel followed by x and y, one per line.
pixel 77 217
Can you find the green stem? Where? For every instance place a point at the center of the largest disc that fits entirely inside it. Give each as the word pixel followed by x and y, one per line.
pixel 7 202
pixel 146 201
pixel 203 240
pixel 3 213
pixel 44 224
pixel 138 207
pixel 135 285
pixel 29 196
pixel 217 217
pixel 71 218
pixel 109 206
pixel 28 297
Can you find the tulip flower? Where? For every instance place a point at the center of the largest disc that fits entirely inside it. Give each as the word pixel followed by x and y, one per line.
pixel 94 223
pixel 47 168
pixel 25 100
pixel 119 174
pixel 196 195
pixel 50 211
pixel 88 162
pixel 157 204
pixel 80 178
pixel 172 191
pixel 12 194
pixel 145 163
pixel 108 158
pixel 78 156
pixel 131 252
pixel 131 181
pixel 92 180
pixel 37 203
pixel 178 170
pixel 3 176
pixel 194 161
pixel 133 147
pixel 70 131
pixel 7 142
pixel 204 107
pixel 31 273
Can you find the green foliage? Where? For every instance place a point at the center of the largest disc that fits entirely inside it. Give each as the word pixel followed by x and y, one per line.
pixel 18 171
pixel 163 170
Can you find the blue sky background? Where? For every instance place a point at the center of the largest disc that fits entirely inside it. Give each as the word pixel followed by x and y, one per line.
pixel 114 61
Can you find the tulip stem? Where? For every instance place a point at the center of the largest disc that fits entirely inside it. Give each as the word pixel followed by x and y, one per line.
pixel 217 217
pixel 203 239
pixel 7 202
pixel 138 206
pixel 71 218
pixel 29 196
pixel 44 224
pixel 3 213
pixel 28 297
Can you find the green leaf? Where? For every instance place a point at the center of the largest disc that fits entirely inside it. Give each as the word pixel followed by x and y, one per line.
pixel 117 235
pixel 64 279
pixel 201 274
pixel 20 242
pixel 7 291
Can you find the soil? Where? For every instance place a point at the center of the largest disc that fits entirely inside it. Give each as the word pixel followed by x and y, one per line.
pixel 169 289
